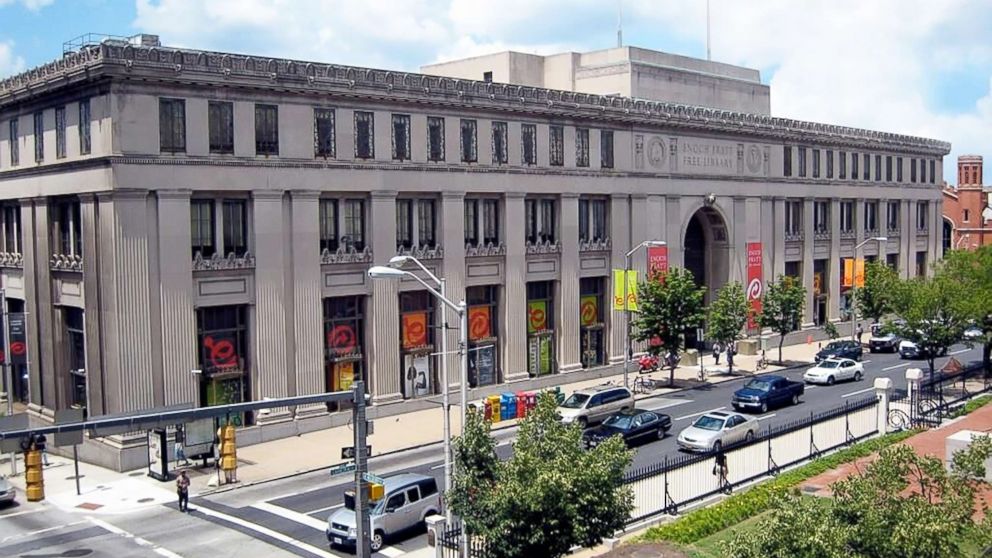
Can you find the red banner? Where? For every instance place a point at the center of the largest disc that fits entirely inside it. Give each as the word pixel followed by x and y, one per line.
pixel 755 286
pixel 479 323
pixel 342 339
pixel 657 260
pixel 414 330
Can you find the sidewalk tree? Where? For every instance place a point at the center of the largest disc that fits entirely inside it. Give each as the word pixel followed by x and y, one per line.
pixel 727 315
pixel 830 330
pixel 782 307
pixel 549 496
pixel 933 314
pixel 669 304
pixel 972 269
pixel 874 300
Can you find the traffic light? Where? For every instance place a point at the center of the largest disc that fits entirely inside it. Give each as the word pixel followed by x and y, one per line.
pixel 228 452
pixel 33 474
pixel 376 491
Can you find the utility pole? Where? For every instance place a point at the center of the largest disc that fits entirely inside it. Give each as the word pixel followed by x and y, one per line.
pixel 8 370
pixel 363 526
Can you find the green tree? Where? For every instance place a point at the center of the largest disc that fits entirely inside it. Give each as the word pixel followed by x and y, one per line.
pixel 669 304
pixel 549 496
pixel 973 270
pixel 874 300
pixel 873 515
pixel 831 330
pixel 933 312
pixel 782 307
pixel 728 315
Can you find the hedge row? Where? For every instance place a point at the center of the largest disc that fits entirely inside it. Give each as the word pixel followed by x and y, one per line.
pixel 973 405
pixel 707 521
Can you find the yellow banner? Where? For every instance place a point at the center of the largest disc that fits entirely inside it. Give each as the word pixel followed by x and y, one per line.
pixel 859 273
pixel 618 290
pixel 848 272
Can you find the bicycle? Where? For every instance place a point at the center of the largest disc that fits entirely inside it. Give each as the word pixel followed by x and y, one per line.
pixel 762 364
pixel 643 384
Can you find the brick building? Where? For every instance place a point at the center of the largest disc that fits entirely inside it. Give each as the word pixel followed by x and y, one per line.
pixel 968 207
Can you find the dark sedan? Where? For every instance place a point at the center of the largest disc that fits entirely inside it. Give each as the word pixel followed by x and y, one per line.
pixel 633 425
pixel 841 349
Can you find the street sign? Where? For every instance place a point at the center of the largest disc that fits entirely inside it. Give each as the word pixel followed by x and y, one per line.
pixel 342 468
pixel 349 452
pixel 12 422
pixel 369 477
pixel 65 416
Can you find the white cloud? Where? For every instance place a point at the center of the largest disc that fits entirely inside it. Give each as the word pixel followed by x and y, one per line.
pixel 10 63
pixel 33 5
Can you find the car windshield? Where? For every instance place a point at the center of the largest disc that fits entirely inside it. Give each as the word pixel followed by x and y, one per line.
pixel 829 364
pixel 576 401
pixel 835 345
pixel 619 421
pixel 759 385
pixel 708 423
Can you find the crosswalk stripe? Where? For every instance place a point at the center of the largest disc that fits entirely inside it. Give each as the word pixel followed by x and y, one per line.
pixel 291 515
pixel 308 548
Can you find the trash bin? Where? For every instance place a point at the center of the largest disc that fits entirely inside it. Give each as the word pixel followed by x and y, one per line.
pixel 493 401
pixel 509 406
pixel 487 409
pixel 521 404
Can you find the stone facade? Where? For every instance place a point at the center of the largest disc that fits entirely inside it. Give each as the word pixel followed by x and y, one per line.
pixel 209 225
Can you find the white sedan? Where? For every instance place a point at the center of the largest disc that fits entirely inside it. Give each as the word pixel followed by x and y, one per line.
pixel 834 370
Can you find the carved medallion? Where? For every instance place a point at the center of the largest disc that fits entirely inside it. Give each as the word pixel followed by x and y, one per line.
pixel 754 158
pixel 657 152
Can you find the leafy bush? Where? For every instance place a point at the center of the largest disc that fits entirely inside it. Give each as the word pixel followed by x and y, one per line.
pixel 973 405
pixel 706 521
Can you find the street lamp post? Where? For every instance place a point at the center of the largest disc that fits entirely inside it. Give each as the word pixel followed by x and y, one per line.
pixel 626 305
pixel 854 280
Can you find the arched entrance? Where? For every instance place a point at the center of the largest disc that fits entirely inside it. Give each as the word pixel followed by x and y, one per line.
pixel 706 254
pixel 948 237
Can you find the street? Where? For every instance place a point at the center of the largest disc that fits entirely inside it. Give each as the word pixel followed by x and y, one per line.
pixel 287 517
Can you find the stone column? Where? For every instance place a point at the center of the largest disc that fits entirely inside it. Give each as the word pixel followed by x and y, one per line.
pixel 935 227
pixel 567 305
pixel 620 244
pixel 513 322
pixel 738 234
pixel 452 238
pixel 859 224
pixel 91 298
pixel 383 328
pixel 270 370
pixel 38 302
pixel 907 238
pixel 834 270
pixel 640 228
pixel 307 306
pixel 778 233
pixel 768 239
pixel 672 208
pixel 178 315
pixel 808 240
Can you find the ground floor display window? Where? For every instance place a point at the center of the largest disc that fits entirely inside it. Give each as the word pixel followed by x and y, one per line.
pixel 223 351
pixel 417 325
pixel 344 344
pixel 18 351
pixel 540 328
pixel 592 326
pixel 820 292
pixel 75 338
pixel 483 336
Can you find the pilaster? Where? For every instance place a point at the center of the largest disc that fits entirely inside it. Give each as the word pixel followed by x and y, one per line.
pixel 307 310
pixel 514 320
pixel 808 260
pixel 38 301
pixel 620 227
pixel 452 237
pixel 567 308
pixel 833 264
pixel 176 295
pixel 778 233
pixel 907 238
pixel 270 342
pixel 383 329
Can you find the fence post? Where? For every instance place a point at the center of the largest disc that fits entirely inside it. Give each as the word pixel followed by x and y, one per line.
pixel 436 524
pixel 913 378
pixel 883 390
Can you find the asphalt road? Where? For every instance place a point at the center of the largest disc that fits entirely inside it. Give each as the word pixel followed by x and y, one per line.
pixel 298 508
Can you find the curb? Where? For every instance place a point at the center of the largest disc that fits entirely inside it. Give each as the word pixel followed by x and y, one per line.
pixel 230 487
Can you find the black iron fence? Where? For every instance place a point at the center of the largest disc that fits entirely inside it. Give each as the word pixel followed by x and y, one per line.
pixel 934 399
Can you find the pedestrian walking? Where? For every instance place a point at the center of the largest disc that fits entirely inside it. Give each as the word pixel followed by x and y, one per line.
pixel 182 489
pixel 859 332
pixel 720 471
pixel 730 355
pixel 41 444
pixel 717 349
pixel 180 453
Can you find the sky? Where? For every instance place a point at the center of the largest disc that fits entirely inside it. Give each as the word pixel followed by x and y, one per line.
pixel 918 67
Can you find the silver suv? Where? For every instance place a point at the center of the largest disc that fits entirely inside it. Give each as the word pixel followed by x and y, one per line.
pixel 407 502
pixel 595 404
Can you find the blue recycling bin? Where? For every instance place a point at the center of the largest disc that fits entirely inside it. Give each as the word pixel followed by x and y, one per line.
pixel 508 406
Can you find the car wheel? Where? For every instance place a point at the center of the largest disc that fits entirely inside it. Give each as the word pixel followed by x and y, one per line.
pixel 858 376
pixel 795 399
pixel 749 436
pixel 717 446
pixel 661 433
pixel 830 380
pixel 377 541
pixel 583 422
pixel 764 408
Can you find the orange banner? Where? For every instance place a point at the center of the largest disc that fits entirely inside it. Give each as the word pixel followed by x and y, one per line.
pixel 479 323
pixel 859 273
pixel 414 330
pixel 848 272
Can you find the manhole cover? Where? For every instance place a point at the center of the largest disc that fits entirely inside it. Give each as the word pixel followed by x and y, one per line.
pixel 146 500
pixel 89 506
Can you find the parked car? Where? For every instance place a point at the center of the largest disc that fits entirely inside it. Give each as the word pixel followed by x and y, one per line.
pixel 764 392
pixel 881 341
pixel 973 333
pixel 6 491
pixel 633 425
pixel 835 370
pixel 588 406
pixel 408 500
pixel 714 430
pixel 841 349
pixel 910 350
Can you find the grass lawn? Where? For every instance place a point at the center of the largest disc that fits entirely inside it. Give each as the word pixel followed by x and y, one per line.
pixel 710 546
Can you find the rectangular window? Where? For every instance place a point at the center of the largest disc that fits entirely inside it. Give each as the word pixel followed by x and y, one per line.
pixel 469 143
pixel 12 229
pixel 324 139
pixel 266 130
pixel 364 136
pixel 923 171
pixel 235 227
pixel 69 228
pixel 892 216
pixel 592 334
pixel 426 223
pixel 592 220
pixel 500 148
pixel 404 224
pixel 793 217
pixel 60 132
pixel 528 143
pixel 802 161
pixel 201 226
pixel 816 163
pixel 912 170
pixel 921 264
pixel 39 137
pixel 471 222
pixel 582 147
pixel 846 216
pixel 344 342
pixel 329 225
pixel 172 125
pixel 224 327
pixel 540 220
pixel 842 160
pixel 922 209
pixel 787 160
pixel 888 168
pixel 483 356
pixel 15 151
pixel 933 167
pixel 220 124
pixel 854 166
pixel 490 222
pixel 85 141
pixel 898 169
pixel 830 163
pixel 75 334
pixel 821 217
pixel 547 228
pixel 878 168
pixel 435 138
pixel 540 332
pixel 557 146
pixel 606 149
pixel 353 238
pixel 871 217
pixel 866 167
pixel 401 137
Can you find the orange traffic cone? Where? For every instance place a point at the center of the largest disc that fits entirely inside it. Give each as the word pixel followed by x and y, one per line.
pixel 809 339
